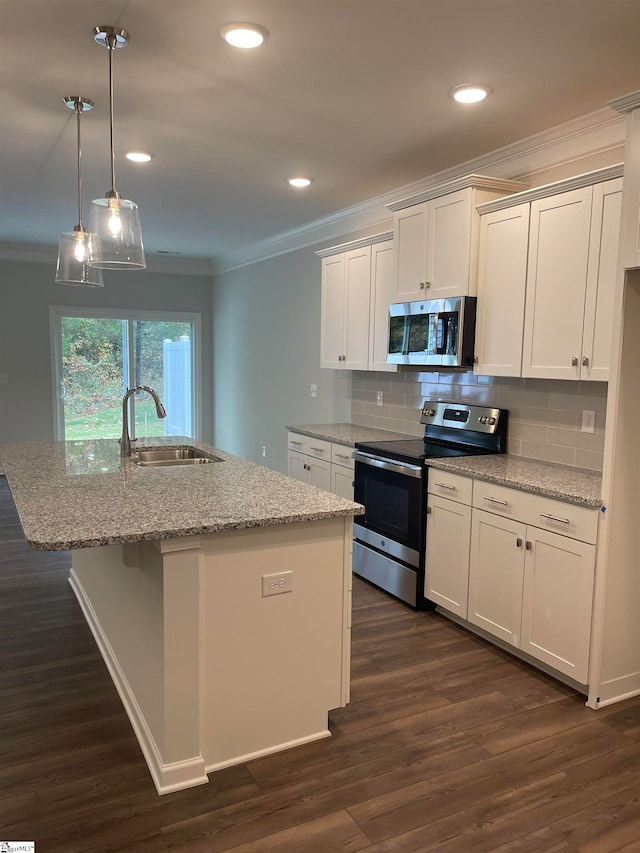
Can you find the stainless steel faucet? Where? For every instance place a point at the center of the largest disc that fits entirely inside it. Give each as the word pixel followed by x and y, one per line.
pixel 125 441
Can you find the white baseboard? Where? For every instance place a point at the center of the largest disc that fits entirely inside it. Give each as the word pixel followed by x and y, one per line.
pixel 280 747
pixel 618 689
pixel 166 777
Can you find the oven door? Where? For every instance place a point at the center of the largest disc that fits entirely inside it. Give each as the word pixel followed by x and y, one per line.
pixel 392 495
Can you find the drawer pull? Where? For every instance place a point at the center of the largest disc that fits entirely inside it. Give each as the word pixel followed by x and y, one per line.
pixel 444 486
pixel 297 443
pixel 496 501
pixel 555 518
pixel 342 456
pixel 318 449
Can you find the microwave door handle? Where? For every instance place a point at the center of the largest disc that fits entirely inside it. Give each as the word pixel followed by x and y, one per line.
pixel 441 323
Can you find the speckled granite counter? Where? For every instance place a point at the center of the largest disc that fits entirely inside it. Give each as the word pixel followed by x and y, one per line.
pixel 347 434
pixel 77 494
pixel 574 485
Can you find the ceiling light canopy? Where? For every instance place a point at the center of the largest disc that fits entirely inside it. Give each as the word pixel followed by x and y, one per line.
pixel 138 156
pixel 114 221
pixel 76 247
pixel 299 182
pixel 244 35
pixel 470 93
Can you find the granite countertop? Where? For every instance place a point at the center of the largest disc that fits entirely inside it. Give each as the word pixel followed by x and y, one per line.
pixel 563 482
pixel 346 434
pixel 78 494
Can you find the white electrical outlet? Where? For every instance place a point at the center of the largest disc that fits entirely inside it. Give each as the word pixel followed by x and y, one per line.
pixel 264 451
pixel 313 391
pixel 379 398
pixel 277 584
pixel 588 420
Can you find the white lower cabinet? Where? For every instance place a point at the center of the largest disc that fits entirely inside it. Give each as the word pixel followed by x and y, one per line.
pixel 321 463
pixel 496 575
pixel 529 585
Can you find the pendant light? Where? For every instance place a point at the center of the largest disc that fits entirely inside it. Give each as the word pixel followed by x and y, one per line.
pixel 114 221
pixel 76 246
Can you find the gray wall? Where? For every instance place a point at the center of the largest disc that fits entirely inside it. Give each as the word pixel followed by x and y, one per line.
pixel 266 334
pixel 26 292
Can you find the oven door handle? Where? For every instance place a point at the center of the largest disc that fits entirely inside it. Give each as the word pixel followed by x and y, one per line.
pixel 388 464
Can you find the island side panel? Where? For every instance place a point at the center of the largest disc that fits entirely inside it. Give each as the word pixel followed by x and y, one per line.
pixel 273 666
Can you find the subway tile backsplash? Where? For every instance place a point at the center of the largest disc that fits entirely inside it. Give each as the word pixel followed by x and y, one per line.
pixel 545 416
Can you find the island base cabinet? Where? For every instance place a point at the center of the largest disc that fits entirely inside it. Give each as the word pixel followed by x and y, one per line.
pixel 447 560
pixel 496 575
pixel 557 602
pixel 213 666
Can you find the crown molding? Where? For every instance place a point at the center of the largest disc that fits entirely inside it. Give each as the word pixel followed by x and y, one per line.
pixel 463 182
pixel 544 191
pixel 600 132
pixel 39 254
pixel 355 244
pixel 626 103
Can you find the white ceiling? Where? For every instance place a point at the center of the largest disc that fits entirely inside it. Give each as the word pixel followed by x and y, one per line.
pixel 352 92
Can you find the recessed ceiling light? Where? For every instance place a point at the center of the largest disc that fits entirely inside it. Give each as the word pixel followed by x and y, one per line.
pixel 138 156
pixel 299 182
pixel 244 35
pixel 470 93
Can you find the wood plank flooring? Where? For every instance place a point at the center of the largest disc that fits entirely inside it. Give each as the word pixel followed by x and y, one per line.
pixel 449 744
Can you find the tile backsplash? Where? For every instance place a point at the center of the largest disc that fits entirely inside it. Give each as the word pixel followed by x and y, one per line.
pixel 545 415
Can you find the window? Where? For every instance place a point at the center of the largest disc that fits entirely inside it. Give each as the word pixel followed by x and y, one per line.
pixel 98 356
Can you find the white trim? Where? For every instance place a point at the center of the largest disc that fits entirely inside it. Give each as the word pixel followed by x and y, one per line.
pixel 626 103
pixel 36 253
pixel 617 690
pixel 355 244
pixel 56 312
pixel 586 179
pixel 463 182
pixel 250 756
pixel 166 777
pixel 597 133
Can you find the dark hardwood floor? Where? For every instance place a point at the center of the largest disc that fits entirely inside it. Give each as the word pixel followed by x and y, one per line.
pixel 448 744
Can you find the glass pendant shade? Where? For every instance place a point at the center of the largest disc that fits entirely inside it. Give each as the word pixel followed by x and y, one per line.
pixel 114 224
pixel 74 254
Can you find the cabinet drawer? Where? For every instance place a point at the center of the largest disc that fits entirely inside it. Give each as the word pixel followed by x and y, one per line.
pixel 451 486
pixel 341 455
pixel 316 447
pixel 577 522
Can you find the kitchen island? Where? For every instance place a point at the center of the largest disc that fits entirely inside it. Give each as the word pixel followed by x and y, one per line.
pixel 219 594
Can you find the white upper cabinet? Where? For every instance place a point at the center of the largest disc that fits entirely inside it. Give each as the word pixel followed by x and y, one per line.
pixel 546 273
pixel 437 238
pixel 502 278
pixel 357 287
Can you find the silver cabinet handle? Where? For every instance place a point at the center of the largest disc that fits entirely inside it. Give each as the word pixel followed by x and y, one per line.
pixel 444 486
pixel 518 542
pixel 574 361
pixel 422 285
pixel 555 518
pixel 428 510
pixel 297 443
pixel 318 449
pixel 495 501
pixel 585 361
pixel 342 456
pixel 528 545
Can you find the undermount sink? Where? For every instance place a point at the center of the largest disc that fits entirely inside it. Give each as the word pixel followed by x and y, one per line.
pixel 171 456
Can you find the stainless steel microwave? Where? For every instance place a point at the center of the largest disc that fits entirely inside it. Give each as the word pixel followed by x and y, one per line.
pixel 438 332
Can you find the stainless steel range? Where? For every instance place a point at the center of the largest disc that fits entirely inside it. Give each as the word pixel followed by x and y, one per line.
pixel 391 483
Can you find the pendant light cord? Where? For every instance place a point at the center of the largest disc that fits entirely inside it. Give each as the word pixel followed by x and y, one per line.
pixel 78 109
pixel 111 45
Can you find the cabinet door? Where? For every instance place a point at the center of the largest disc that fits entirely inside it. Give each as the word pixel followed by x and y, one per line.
pixel 601 280
pixel 556 285
pixel 447 560
pixel 332 312
pixel 319 473
pixel 449 245
pixel 557 602
pixel 342 482
pixel 382 295
pixel 496 573
pixel 410 226
pixel 502 277
pixel 297 465
pixel 357 289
